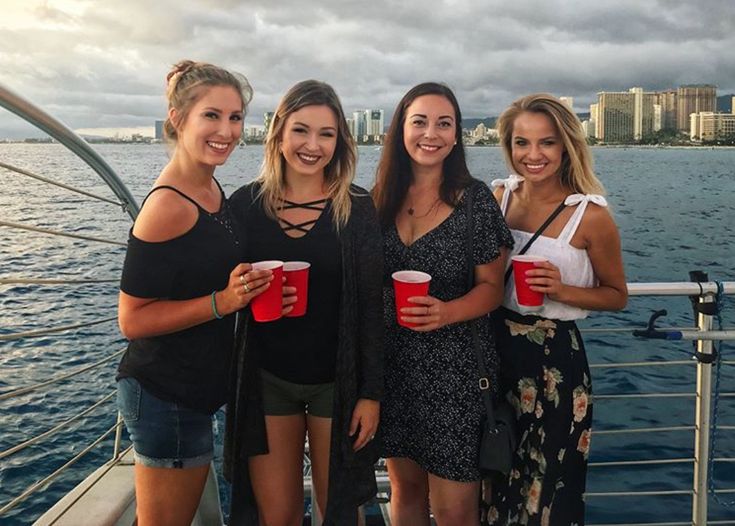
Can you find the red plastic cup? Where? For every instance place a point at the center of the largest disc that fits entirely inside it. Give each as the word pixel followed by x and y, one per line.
pixel 527 298
pixel 297 275
pixel 268 305
pixel 406 284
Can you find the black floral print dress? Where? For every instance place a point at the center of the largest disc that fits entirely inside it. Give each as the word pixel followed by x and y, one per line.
pixel 545 375
pixel 432 408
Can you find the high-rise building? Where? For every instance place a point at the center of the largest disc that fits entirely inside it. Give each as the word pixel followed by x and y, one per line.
pixel 359 125
pixel 616 112
pixel 624 116
pixel 694 98
pixel 657 117
pixel 708 125
pixel 643 114
pixel 725 103
pixel 667 100
pixel 479 132
pixel 592 130
pixel 267 119
pixel 367 125
pixel 350 125
pixel 374 122
pixel 588 127
pixel 159 130
pixel 569 101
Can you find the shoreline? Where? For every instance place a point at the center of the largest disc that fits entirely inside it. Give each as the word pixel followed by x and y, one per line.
pixel 260 145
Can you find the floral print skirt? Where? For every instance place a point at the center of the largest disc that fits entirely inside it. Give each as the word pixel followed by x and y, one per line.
pixel 545 375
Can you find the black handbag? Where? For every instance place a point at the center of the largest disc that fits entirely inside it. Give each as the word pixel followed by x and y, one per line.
pixel 499 428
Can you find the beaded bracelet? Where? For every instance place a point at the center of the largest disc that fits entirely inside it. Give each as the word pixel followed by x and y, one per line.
pixel 214 307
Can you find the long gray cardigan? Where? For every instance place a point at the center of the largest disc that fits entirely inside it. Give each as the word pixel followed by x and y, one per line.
pixel 359 373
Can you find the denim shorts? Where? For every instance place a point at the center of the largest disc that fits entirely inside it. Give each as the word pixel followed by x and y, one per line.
pixel 283 398
pixel 164 434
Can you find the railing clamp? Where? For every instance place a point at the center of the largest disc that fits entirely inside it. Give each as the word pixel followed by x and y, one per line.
pixel 706 308
pixel 709 309
pixel 652 332
pixel 706 357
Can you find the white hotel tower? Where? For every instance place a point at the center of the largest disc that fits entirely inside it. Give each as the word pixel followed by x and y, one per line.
pixel 367 125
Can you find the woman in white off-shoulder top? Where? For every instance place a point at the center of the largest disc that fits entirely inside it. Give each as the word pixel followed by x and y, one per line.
pixel 544 370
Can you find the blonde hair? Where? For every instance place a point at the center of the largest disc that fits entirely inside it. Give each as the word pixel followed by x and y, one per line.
pixel 576 170
pixel 339 172
pixel 183 85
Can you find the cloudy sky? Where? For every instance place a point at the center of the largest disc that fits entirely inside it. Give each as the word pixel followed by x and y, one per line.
pixel 102 63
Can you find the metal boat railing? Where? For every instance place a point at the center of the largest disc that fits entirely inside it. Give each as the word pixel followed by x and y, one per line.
pixel 127 204
pixel 66 136
pixel 704 336
pixel 703 333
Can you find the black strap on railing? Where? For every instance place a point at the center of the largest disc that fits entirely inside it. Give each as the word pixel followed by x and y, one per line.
pixel 719 302
pixel 709 309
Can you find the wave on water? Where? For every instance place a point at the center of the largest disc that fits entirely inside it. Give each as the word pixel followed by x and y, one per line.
pixel 673 207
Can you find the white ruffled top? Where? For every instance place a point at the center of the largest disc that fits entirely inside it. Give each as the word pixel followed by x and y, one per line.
pixel 573 263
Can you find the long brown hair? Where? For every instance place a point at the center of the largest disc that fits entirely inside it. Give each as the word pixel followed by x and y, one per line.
pixel 394 174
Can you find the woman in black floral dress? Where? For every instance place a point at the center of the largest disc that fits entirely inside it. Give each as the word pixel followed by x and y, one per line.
pixel 432 406
pixel 544 370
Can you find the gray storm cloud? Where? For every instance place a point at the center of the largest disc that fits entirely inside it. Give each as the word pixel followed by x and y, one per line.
pixel 103 64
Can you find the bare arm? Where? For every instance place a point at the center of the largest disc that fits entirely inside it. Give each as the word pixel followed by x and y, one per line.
pixel 602 240
pixel 165 216
pixel 485 296
pixel 147 317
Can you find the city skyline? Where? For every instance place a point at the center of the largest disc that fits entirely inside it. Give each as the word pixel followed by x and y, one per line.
pixel 116 54
pixel 250 128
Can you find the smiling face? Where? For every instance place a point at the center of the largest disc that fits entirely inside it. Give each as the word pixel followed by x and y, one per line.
pixel 212 127
pixel 308 140
pixel 429 130
pixel 536 147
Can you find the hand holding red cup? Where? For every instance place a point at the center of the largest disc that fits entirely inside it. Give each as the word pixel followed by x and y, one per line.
pixel 297 276
pixel 407 284
pixel 529 300
pixel 268 305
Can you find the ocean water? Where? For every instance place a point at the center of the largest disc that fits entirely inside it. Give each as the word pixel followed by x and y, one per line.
pixel 674 208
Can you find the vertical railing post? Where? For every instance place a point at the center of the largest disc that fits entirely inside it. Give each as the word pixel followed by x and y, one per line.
pixel 702 419
pixel 118 437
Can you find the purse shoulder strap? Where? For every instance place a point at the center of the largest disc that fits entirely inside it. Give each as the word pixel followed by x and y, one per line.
pixel 535 236
pixel 484 376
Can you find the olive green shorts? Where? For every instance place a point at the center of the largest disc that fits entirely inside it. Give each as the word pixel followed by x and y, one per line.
pixel 282 398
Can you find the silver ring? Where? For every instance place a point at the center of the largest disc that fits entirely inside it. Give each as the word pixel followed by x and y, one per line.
pixel 242 279
pixel 245 286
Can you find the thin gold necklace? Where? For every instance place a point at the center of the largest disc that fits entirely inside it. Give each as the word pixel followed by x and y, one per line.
pixel 411 210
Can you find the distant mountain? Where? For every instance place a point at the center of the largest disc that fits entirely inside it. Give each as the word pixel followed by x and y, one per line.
pixel 469 124
pixel 724 103
pixel 489 122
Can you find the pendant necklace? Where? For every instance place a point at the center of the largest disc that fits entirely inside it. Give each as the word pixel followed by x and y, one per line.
pixel 411 210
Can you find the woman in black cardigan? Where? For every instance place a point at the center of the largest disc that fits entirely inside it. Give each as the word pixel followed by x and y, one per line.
pixel 304 207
